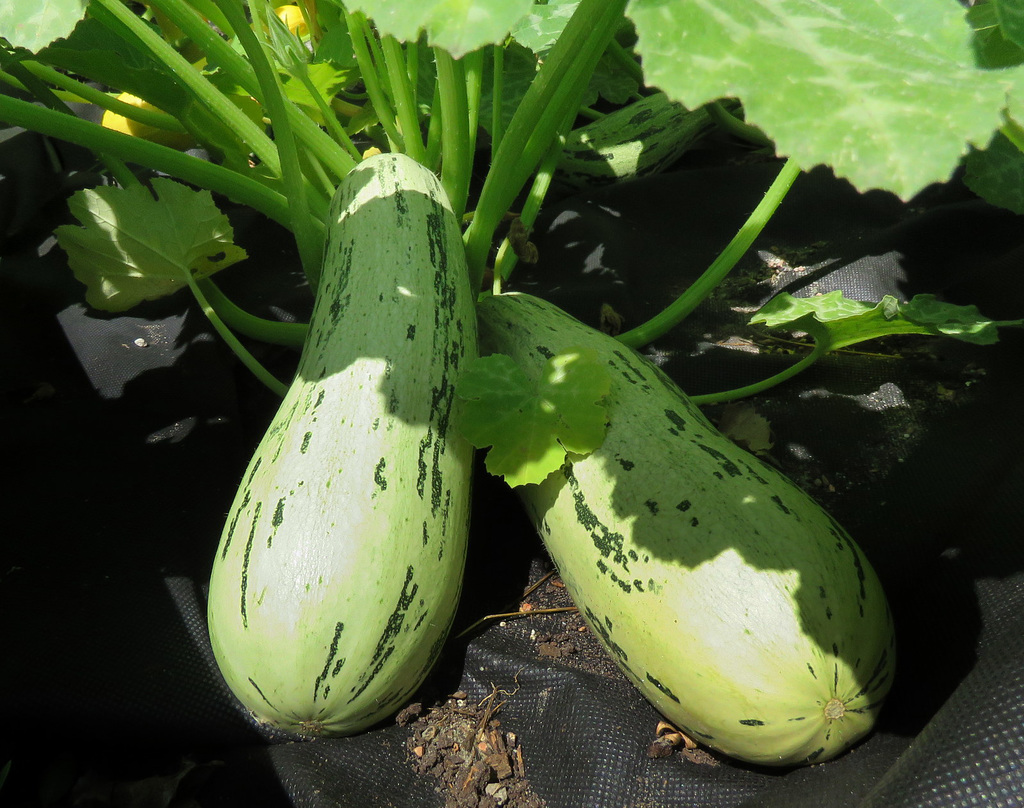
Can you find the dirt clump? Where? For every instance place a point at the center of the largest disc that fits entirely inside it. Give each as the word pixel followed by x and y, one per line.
pixel 477 763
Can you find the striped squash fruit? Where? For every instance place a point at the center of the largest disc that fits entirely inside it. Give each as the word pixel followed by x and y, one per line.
pixel 340 564
pixel 643 138
pixel 735 604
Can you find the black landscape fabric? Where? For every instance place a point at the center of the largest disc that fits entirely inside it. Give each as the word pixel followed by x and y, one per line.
pixel 127 435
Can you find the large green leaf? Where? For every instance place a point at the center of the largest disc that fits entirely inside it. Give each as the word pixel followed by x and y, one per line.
pixel 457 26
pixel 539 29
pixel 34 24
pixel 100 55
pixel 519 69
pixel 884 91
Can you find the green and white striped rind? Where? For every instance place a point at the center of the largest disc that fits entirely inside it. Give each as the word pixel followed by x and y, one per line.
pixel 643 138
pixel 737 605
pixel 340 565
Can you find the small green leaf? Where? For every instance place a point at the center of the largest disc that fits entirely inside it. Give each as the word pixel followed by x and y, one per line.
pixel 1011 19
pixel 133 247
pixel 992 50
pixel 530 424
pixel 997 173
pixel 837 322
pixel 326 78
pixel 539 29
pixel 964 323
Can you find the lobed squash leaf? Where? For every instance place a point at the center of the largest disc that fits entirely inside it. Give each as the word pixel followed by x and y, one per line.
pixel 34 25
pixel 457 26
pixel 886 92
pixel 839 322
pixel 997 173
pixel 531 423
pixel 134 247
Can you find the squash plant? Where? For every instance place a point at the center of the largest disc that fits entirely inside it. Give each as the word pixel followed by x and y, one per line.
pixel 405 77
pixel 288 103
pixel 416 79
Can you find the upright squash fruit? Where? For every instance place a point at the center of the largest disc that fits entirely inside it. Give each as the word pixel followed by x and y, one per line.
pixel 340 565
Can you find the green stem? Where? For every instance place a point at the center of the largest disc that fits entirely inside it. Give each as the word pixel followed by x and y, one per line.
pixel 734 126
pixel 232 341
pixel 221 54
pixel 456 154
pixel 315 170
pixel 506 259
pixel 291 335
pixel 90 95
pixel 820 349
pixel 115 165
pixel 434 128
pixel 209 10
pixel 497 94
pixel 203 90
pixel 363 46
pixel 474 70
pixel 239 188
pixel 591 114
pixel 404 93
pixel 626 61
pixel 334 127
pixel 557 89
pixel 713 275
pixel 296 187
pixel 412 65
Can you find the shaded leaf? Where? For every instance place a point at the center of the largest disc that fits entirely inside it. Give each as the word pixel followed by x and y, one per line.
pixel 745 427
pixel 1011 19
pixel 996 173
pixel 992 50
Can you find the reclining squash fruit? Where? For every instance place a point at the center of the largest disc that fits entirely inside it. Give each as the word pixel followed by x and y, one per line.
pixel 735 604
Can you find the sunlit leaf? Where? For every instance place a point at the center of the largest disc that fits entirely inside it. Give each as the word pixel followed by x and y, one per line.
pixel 132 247
pixel 837 322
pixel 457 26
pixel 33 25
pixel 530 424
pixel 885 91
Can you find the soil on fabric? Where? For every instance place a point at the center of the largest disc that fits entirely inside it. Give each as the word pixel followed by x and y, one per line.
pixel 461 742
